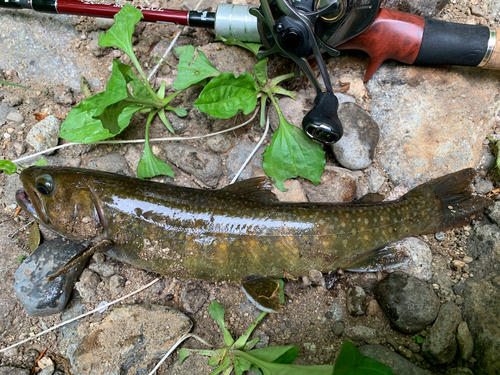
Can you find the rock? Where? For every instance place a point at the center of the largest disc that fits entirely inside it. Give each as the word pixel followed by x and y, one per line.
pixel 483 186
pixel 459 371
pixel 420 258
pixel 228 58
pixel 435 119
pixel 15 117
pixel 12 184
pixel 464 341
pixel 363 333
pixel 424 8
pixel 337 185
pixel 44 134
pixel 5 110
pixel 440 345
pixel 310 347
pixel 336 311
pixel 116 284
pixel 87 285
pixel 338 328
pixel 103 23
pixel 104 269
pixel 482 297
pixel 96 49
pixel 357 87
pixel 373 308
pixel 264 339
pixel 39 296
pixel 64 96
pixel 14 100
pixel 129 340
pixel 219 143
pixel 294 193
pixel 114 163
pixel 398 364
pixel 409 303
pixel 10 370
pixel 440 236
pixel 356 148
pixel 494 213
pixel 375 181
pixel 356 301
pixel 49 370
pixel 193 297
pixel 316 277
pixel 237 157
pixel 205 166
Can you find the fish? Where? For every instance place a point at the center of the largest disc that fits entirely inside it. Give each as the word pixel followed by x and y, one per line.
pixel 240 233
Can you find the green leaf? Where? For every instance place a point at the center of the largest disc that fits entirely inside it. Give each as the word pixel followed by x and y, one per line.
pixel 226 94
pixel 139 89
pixel 292 154
pixel 276 354
pixel 41 162
pixel 216 311
pixel 116 88
pixel 120 34
pixel 281 292
pixel 163 118
pixel 240 343
pixel 192 69
pixel 20 258
pixel 349 359
pixel 13 84
pixel 241 365
pixel 82 126
pixel 8 167
pixel 111 115
pixel 181 112
pixel 260 71
pixel 183 354
pixel 225 365
pixel 369 366
pixel 250 344
pixel 252 47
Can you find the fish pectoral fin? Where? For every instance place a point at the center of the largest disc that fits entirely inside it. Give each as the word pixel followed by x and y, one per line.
pixel 388 257
pixel 81 257
pixel 263 292
pixel 256 189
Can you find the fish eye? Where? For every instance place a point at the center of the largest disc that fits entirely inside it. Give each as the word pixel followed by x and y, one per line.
pixel 45 184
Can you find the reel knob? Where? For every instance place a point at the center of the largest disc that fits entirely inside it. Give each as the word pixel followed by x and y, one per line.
pixel 322 123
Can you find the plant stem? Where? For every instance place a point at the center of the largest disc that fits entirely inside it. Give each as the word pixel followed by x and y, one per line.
pixel 278 80
pixel 143 102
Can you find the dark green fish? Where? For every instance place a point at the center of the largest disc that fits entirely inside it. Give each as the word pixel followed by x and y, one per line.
pixel 238 231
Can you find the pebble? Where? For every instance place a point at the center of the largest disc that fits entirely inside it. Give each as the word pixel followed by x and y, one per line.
pixel 14 100
pixel 459 371
pixel 310 347
pixel 103 23
pixel 116 284
pixel 39 296
pixel 440 236
pixel 337 185
pixel 457 264
pixel 11 370
pixel 356 148
pixel 15 117
pixel 264 339
pixel 397 363
pixel 373 308
pixel 316 277
pixel 494 213
pixel 294 192
pixel 64 96
pixel 114 163
pixel 375 181
pixel 193 297
pixel 440 345
pixel 104 269
pixel 356 301
pixel 363 333
pixel 420 258
pixel 87 285
pixel 483 186
pixel 5 110
pixel 205 166
pixel 409 303
pixel 237 157
pixel 336 311
pixel 464 341
pixel 219 143
pixel 44 134
pixel 338 328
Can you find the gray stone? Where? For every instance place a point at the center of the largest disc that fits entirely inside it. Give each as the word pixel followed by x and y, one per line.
pixel 237 157
pixel 494 213
pixel 12 184
pixel 316 277
pixel 5 110
pixel 49 370
pixel 356 301
pixel 459 371
pixel 483 186
pixel 398 364
pixel 39 296
pixel 44 134
pixel 14 100
pixel 117 284
pixel 356 148
pixel 15 117
pixel 425 8
pixel 464 341
pixel 435 120
pixel 219 143
pixel 420 258
pixel 64 96
pixel 264 339
pixel 129 340
pixel 193 297
pixel 114 163
pixel 205 166
pixel 336 185
pixel 482 297
pixel 440 236
pixel 336 311
pixel 363 333
pixel 440 345
pixel 103 23
pixel 375 180
pixel 104 269
pixel 10 370
pixel 87 285
pixel 409 303
pixel 338 328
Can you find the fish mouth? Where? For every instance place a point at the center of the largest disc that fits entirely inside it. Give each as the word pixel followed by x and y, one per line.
pixel 25 202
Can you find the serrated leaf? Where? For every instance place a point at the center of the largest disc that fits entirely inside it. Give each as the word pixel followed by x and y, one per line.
pixel 217 311
pixel 192 68
pixel 226 94
pixel 252 47
pixel 120 34
pixel 260 71
pixel 8 167
pixel 292 154
pixel 34 239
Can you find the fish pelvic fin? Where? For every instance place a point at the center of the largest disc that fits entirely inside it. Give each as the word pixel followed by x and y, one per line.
pixel 263 292
pixel 257 189
pixel 452 196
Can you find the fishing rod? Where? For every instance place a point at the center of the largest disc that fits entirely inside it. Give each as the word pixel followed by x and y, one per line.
pixel 304 29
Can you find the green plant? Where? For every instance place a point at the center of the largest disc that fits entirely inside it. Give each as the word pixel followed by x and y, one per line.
pixel 240 356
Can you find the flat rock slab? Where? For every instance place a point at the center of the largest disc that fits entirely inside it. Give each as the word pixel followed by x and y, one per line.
pixel 398 364
pixel 433 121
pixel 129 340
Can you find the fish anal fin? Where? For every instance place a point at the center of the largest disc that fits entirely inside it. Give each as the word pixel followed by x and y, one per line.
pixel 388 257
pixel 263 292
pixel 256 189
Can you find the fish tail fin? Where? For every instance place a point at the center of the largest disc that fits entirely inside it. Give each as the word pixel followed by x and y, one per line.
pixel 452 197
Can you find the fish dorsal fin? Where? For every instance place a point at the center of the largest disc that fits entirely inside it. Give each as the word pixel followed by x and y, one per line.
pixel 386 258
pixel 371 198
pixel 263 292
pixel 256 189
